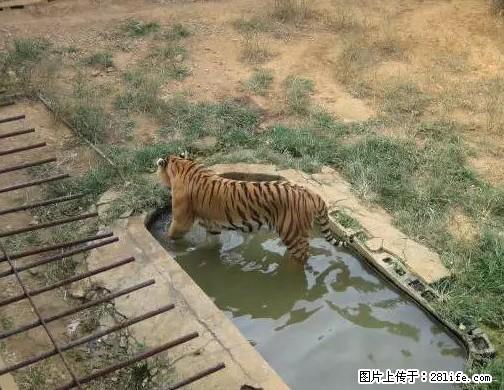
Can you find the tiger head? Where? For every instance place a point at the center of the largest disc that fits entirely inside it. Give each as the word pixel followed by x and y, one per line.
pixel 168 167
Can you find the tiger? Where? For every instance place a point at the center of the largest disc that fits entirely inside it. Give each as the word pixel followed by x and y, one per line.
pixel 200 195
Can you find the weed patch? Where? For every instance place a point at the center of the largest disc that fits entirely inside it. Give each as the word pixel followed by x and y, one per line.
pixel 253 25
pixel 494 104
pixel 254 51
pixel 177 31
pixel 297 94
pixel 260 82
pixel 403 100
pixel 291 11
pixel 29 50
pixel 138 28
pixel 497 7
pixel 364 50
pixel 102 59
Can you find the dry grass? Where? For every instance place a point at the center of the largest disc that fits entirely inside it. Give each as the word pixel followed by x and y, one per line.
pixel 363 50
pixel 254 50
pixel 343 19
pixel 497 7
pixel 494 105
pixel 291 11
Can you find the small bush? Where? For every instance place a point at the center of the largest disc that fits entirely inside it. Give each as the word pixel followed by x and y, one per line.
pixel 141 93
pixel 254 24
pixel 26 50
pixel 253 50
pixel 86 111
pixel 361 51
pixel 138 28
pixel 102 59
pixel 260 82
pixel 297 92
pixel 343 19
pixel 381 169
pixel 177 31
pixel 497 7
pixel 291 11
pixel 494 104
pixel 404 99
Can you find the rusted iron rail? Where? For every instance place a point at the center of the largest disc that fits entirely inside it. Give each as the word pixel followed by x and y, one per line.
pixel 42 203
pixel 13 118
pixel 64 282
pixel 65 250
pixel 7 103
pixel 22 149
pixel 27 165
pixel 85 339
pixel 197 376
pixel 58 257
pixel 133 360
pixel 16 133
pixel 34 183
pixel 104 299
pixel 47 224
pixel 37 312
pixel 62 245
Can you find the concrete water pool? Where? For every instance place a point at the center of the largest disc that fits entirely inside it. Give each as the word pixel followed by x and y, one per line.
pixel 317 325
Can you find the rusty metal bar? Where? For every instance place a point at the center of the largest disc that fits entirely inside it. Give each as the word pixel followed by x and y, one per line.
pixel 62 245
pixel 77 309
pixel 50 259
pixel 40 204
pixel 34 183
pixel 28 165
pixel 22 149
pixel 17 132
pixel 48 224
pixel 135 359
pixel 197 376
pixel 13 118
pixel 64 282
pixel 86 339
pixel 37 312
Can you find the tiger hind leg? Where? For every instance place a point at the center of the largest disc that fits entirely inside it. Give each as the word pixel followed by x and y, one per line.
pixel 298 250
pixel 211 227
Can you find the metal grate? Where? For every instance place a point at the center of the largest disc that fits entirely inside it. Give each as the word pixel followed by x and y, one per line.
pixel 69 248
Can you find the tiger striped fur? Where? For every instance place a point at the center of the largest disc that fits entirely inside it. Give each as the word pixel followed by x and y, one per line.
pixel 217 203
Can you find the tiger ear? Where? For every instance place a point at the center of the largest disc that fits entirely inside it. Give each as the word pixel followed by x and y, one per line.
pixel 184 155
pixel 161 162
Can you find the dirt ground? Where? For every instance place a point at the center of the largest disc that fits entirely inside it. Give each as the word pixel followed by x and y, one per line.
pixel 449 48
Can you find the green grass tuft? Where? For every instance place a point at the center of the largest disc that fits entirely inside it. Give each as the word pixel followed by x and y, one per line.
pixel 103 59
pixel 254 24
pixel 297 92
pixel 404 100
pixel 254 51
pixel 260 82
pixel 177 31
pixel 27 50
pixel 138 28
pixel 291 11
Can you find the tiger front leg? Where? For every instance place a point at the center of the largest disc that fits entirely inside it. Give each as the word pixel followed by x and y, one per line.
pixel 183 219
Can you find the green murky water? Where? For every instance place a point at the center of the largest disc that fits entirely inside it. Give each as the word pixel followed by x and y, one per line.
pixel 317 325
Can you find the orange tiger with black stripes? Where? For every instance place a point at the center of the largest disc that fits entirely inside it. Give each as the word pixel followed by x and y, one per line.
pixel 217 203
